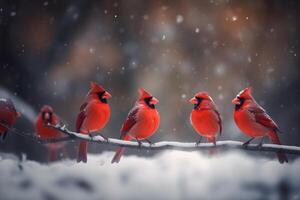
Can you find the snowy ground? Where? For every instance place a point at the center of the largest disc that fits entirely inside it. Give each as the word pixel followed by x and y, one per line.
pixel 168 175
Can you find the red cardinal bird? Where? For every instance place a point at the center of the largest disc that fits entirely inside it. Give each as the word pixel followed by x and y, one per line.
pixel 253 120
pixel 47 116
pixel 205 118
pixel 8 116
pixel 93 116
pixel 141 123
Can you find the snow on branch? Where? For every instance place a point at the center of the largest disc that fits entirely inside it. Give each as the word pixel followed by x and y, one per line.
pixel 185 146
pixel 178 145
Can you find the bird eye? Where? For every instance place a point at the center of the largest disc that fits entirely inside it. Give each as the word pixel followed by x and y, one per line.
pixel 148 99
pixel 148 102
pixel 100 94
pixel 199 99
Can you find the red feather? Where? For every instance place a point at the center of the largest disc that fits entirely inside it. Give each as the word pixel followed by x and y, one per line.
pixel 82 154
pixel 253 120
pixel 263 118
pixel 81 116
pixel 220 120
pixel 130 121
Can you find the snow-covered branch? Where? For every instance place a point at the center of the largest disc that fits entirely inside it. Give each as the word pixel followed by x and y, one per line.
pixel 185 146
pixel 178 145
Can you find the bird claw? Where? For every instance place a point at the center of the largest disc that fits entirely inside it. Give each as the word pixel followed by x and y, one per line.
pixel 149 142
pixel 104 137
pixel 63 127
pixel 215 143
pixel 139 143
pixel 259 146
pixel 91 136
pixel 245 144
pixel 198 142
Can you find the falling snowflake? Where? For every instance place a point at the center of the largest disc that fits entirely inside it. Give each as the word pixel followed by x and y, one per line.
pixel 249 59
pixel 92 50
pixel 179 19
pixel 146 17
pixel 234 18
pixel 13 14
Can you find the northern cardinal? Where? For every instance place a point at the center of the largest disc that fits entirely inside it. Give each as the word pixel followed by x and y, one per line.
pixel 47 116
pixel 253 120
pixel 8 116
pixel 141 123
pixel 94 115
pixel 205 117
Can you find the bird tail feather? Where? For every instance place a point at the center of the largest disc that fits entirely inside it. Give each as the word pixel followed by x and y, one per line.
pixel 282 157
pixel 120 151
pixel 82 153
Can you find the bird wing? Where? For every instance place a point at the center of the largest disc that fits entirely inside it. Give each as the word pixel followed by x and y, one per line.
pixel 81 116
pixel 219 120
pixel 130 121
pixel 263 118
pixel 83 106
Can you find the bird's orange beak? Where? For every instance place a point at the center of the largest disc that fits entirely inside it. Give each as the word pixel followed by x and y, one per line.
pixel 236 101
pixel 154 101
pixel 193 100
pixel 106 95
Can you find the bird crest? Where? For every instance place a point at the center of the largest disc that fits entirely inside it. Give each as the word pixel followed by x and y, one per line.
pixel 144 94
pixel 202 95
pixel 95 87
pixel 47 108
pixel 246 93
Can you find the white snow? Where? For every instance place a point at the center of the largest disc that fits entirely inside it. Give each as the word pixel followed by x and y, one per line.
pixel 3 100
pixel 168 175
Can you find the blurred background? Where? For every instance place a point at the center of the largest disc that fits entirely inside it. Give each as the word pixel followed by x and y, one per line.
pixel 50 51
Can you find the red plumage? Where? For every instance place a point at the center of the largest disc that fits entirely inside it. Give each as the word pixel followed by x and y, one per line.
pixel 93 116
pixel 47 116
pixel 253 120
pixel 141 123
pixel 8 116
pixel 205 117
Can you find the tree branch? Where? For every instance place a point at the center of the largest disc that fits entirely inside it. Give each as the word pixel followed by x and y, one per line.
pixel 185 146
pixel 37 139
pixel 178 145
